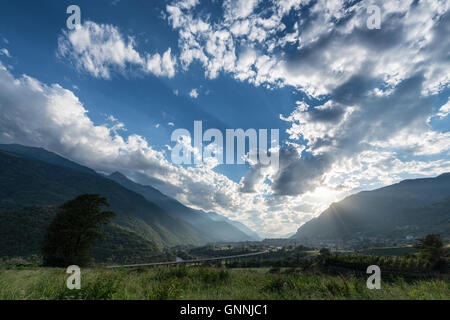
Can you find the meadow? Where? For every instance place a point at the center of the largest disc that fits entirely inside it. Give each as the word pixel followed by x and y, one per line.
pixel 206 283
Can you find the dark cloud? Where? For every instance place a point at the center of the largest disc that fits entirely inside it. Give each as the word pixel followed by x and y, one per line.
pixel 332 114
pixel 377 118
pixel 298 175
pixel 253 176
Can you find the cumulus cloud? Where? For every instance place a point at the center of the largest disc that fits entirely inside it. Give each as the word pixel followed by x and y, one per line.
pixel 364 121
pixel 101 49
pixel 369 91
pixel 331 40
pixel 50 116
pixel 215 46
pixel 352 127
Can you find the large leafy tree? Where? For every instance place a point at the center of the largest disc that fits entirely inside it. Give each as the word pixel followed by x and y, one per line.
pixel 431 247
pixel 75 229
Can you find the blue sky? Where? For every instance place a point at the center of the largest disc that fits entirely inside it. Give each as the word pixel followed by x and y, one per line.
pixel 356 108
pixel 140 102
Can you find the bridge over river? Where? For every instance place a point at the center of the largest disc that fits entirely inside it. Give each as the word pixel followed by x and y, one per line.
pixel 193 261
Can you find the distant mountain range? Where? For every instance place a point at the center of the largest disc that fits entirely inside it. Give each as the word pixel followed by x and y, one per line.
pixel 211 225
pixel 34 177
pixel 410 208
pixel 34 182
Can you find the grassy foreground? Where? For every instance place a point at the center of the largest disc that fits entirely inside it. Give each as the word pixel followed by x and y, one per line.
pixel 206 283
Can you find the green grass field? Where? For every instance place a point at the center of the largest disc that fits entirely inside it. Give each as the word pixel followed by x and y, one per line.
pixel 205 283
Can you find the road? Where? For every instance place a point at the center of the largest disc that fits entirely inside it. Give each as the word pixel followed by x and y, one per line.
pixel 155 264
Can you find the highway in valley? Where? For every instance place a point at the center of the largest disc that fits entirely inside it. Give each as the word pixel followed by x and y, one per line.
pixel 193 261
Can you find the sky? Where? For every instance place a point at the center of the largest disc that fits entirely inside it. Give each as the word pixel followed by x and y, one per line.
pixel 356 107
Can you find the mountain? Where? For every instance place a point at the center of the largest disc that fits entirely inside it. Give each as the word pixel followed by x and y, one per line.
pixel 22 232
pixel 210 225
pixel 217 217
pixel 410 208
pixel 25 180
pixel 43 155
pixel 36 177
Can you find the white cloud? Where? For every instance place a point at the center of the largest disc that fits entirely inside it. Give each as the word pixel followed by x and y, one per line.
pixel 318 124
pixel 193 94
pixel 412 38
pixel 395 125
pixel 417 143
pixel 238 9
pixel 116 125
pixel 188 4
pixel 378 81
pixel 52 117
pixel 101 50
pixel 366 126
pixel 444 110
pixel 5 52
pixel 161 66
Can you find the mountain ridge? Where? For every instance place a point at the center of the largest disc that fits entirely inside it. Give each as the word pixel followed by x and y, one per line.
pixel 26 182
pixel 378 213
pixel 223 228
pixel 50 184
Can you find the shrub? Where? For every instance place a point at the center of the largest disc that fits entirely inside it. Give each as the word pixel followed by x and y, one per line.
pixel 170 289
pixel 104 287
pixel 210 276
pixel 275 285
pixel 274 270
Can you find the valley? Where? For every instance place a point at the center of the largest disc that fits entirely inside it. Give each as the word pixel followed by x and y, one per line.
pixel 162 249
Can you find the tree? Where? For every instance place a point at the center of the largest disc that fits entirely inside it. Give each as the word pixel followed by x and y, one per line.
pixel 74 230
pixel 430 248
pixel 325 252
